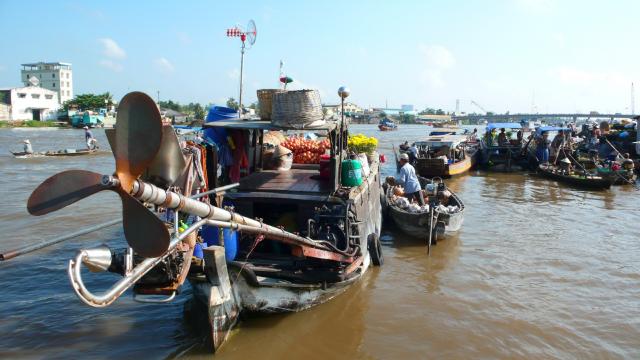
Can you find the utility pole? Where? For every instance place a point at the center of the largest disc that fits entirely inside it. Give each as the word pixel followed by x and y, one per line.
pixel 158 96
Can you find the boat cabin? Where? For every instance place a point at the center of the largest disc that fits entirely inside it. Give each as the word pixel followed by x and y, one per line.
pixel 308 199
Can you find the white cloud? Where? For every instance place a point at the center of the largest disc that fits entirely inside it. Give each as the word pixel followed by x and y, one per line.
pixel 111 65
pixel 436 60
pixel 163 65
pixel 112 49
pixel 559 39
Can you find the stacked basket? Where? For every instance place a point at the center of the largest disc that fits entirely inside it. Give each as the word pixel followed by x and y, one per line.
pixel 265 102
pixel 297 109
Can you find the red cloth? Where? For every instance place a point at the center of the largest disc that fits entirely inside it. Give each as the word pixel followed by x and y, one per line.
pixel 240 159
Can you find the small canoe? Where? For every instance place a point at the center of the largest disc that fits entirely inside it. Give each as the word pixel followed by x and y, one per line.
pixel 73 152
pixel 417 224
pixel 578 180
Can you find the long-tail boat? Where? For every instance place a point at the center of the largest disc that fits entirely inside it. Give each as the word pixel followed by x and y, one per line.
pixel 328 243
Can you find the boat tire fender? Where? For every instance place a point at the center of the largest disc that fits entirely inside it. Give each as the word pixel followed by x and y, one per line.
pixel 375 250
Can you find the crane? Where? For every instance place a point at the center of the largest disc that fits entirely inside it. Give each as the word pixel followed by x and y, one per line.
pixel 479 106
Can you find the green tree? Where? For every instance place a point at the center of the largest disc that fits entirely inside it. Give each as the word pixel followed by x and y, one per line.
pixel 198 112
pixel 89 101
pixel 440 112
pixel 175 106
pixel 232 103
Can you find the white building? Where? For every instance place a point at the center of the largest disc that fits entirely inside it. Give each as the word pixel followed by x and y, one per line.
pixel 55 76
pixel 28 103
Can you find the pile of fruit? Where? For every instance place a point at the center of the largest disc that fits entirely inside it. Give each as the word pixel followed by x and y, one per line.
pixel 306 151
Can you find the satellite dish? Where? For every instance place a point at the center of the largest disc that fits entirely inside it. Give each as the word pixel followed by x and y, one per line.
pixel 34 81
pixel 251 32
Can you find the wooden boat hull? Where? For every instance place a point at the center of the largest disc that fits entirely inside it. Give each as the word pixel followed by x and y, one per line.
pixel 417 225
pixel 236 287
pixel 436 167
pixel 387 128
pixel 593 182
pixel 249 293
pixel 79 152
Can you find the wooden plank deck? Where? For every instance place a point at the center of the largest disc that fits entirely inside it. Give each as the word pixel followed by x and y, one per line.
pixel 294 180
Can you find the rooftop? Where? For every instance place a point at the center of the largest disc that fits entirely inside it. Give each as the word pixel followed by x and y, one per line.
pixel 47 63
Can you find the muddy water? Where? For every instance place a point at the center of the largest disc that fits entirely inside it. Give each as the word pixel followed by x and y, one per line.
pixel 538 270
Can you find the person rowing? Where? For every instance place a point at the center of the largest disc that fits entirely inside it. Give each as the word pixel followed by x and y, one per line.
pixel 27 147
pixel 408 179
pixel 91 141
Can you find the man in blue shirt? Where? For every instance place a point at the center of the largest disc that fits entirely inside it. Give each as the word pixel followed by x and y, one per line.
pixel 91 141
pixel 408 179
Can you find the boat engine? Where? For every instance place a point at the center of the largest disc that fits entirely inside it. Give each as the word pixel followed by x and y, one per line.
pixel 329 225
pixel 164 273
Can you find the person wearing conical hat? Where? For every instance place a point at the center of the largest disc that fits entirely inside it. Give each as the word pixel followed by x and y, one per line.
pixel 27 147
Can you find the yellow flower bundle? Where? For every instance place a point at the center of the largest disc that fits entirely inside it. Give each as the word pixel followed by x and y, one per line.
pixel 360 143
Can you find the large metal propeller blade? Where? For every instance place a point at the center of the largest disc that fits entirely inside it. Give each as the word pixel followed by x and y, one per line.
pixel 63 189
pixel 145 233
pixel 138 136
pixel 135 144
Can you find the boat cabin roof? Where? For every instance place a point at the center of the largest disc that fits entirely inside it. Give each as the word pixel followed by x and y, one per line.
pixel 265 125
pixel 542 129
pixel 503 125
pixel 445 131
pixel 442 140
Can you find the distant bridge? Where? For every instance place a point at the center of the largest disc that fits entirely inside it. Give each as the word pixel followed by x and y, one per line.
pixel 530 117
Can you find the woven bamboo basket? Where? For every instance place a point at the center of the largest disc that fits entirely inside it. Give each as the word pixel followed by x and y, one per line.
pixel 297 109
pixel 265 102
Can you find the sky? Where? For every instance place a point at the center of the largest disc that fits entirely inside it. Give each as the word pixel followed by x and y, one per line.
pixel 521 56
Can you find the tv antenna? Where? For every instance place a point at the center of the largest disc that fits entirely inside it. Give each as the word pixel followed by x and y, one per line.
pixel 248 35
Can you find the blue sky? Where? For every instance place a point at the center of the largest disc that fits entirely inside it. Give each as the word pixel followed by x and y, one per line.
pixel 507 55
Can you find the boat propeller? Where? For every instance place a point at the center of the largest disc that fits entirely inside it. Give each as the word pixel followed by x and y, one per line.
pixel 137 141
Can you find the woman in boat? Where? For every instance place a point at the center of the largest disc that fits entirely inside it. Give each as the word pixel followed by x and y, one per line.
pixel 408 179
pixel 502 138
pixel 27 147
pixel 542 148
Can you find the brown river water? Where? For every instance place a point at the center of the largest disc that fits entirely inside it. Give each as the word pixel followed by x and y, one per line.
pixel 539 270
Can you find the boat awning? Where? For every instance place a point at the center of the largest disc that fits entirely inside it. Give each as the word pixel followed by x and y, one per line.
pixel 265 125
pixel 503 125
pixel 440 141
pixel 542 129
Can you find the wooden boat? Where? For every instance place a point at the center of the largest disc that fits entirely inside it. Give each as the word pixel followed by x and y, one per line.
pixel 269 276
pixel 578 180
pixel 418 224
pixel 72 152
pixel 324 238
pixel 445 156
pixel 387 125
pixel 507 157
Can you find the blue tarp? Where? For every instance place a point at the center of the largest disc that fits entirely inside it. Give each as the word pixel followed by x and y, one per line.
pixel 503 125
pixel 542 129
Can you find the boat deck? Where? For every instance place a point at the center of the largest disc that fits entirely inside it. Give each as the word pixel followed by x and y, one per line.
pixel 292 181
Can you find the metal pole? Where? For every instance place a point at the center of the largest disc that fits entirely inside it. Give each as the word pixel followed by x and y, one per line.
pixel 241 70
pixel 430 229
pixel 30 248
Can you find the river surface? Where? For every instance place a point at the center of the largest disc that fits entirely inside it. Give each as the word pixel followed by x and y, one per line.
pixel 539 270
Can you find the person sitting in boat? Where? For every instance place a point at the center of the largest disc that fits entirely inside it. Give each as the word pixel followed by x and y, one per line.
pixel 405 146
pixel 502 138
pixel 91 141
pixel 474 135
pixel 565 166
pixel 27 147
pixel 408 179
pixel 542 148
pixel 519 136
